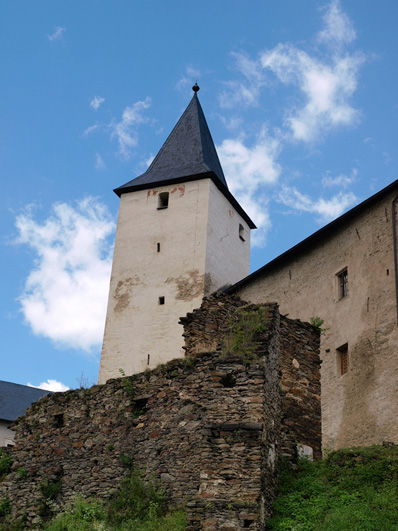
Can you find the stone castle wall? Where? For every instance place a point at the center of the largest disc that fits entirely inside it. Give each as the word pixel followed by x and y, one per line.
pixel 208 427
pixel 358 406
pixel 205 330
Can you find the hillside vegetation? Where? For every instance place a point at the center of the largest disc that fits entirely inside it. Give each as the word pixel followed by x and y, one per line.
pixel 350 490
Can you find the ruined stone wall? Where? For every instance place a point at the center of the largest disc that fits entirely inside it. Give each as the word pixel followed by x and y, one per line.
pixel 208 426
pixel 206 328
pixel 301 388
pixel 202 427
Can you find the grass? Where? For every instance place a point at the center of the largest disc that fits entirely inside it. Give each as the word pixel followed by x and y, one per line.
pixel 352 490
pixel 138 505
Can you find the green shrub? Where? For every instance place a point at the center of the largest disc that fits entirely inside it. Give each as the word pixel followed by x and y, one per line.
pixel 136 500
pixel 5 506
pixel 49 490
pixel 350 490
pixel 245 325
pixel 84 515
pixel 5 464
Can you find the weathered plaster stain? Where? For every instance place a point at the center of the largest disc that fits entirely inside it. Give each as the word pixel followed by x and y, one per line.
pixel 123 293
pixel 189 286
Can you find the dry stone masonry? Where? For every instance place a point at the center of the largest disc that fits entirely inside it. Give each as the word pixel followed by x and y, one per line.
pixel 211 427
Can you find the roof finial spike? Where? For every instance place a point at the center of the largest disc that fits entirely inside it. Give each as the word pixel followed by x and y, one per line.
pixel 196 87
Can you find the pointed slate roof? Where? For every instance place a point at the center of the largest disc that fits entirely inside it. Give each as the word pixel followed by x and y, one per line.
pixel 188 154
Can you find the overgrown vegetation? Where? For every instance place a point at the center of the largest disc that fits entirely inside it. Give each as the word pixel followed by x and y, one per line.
pixel 317 323
pixel 138 505
pixel 245 325
pixel 5 464
pixel 49 490
pixel 350 490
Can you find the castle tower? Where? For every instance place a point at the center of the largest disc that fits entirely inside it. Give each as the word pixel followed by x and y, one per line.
pixel 180 236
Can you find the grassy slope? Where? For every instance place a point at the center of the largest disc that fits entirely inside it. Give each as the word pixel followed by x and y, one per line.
pixel 353 490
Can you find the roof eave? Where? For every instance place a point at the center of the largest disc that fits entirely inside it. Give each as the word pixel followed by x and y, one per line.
pixel 313 239
pixel 188 178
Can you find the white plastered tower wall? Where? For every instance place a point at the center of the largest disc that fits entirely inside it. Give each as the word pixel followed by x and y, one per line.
pixel 200 250
pixel 168 257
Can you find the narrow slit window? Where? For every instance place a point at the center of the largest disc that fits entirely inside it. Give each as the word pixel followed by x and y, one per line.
pixel 342 284
pixel 242 232
pixel 158 247
pixel 161 300
pixel 163 200
pixel 343 360
pixel 59 420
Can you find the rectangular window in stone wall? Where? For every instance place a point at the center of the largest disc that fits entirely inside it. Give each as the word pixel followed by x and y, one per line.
pixel 342 284
pixel 342 353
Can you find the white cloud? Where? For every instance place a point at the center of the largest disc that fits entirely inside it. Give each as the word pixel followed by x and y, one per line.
pixel 65 295
pixel 57 34
pixel 90 129
pixel 99 162
pixel 96 102
pixel 326 85
pixel 246 92
pixel 247 169
pixel 51 385
pixel 326 209
pixel 342 181
pixel 189 77
pixel 338 28
pixel 326 82
pixel 126 130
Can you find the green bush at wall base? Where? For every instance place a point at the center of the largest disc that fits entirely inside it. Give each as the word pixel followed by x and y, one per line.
pixel 350 490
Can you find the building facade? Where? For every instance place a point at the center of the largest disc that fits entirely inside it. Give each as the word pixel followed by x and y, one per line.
pixel 180 236
pixel 346 274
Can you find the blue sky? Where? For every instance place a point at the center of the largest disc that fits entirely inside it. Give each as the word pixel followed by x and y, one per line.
pixel 300 98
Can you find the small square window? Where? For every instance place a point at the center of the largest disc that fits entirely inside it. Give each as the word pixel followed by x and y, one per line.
pixel 161 300
pixel 342 284
pixel 163 200
pixel 342 353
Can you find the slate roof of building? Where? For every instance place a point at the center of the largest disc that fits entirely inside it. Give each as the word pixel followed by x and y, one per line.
pixel 15 399
pixel 188 154
pixel 316 238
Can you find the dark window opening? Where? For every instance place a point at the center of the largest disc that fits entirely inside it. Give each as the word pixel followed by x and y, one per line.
pixel 161 300
pixel 242 232
pixel 149 359
pixel 59 420
pixel 342 279
pixel 158 247
pixel 228 380
pixel 247 524
pixel 343 361
pixel 163 200
pixel 139 407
